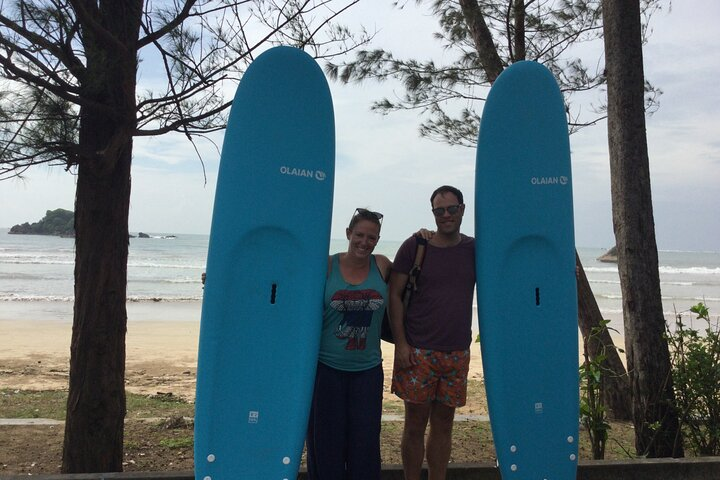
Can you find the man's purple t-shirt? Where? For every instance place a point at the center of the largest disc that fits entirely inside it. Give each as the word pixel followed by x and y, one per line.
pixel 440 313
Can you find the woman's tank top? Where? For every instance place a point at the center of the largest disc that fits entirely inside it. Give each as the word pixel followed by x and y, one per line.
pixel 352 317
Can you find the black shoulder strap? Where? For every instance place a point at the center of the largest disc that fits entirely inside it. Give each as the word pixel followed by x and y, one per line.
pixel 379 270
pixel 411 285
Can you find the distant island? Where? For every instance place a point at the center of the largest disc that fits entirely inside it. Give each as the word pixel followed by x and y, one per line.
pixel 611 256
pixel 55 222
pixel 164 237
pixel 61 223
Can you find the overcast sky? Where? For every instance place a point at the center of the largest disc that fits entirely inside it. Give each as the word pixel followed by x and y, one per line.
pixel 383 164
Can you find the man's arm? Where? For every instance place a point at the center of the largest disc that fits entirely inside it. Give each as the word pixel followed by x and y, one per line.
pixel 403 351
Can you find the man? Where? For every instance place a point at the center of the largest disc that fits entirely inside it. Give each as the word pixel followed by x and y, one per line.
pixel 432 345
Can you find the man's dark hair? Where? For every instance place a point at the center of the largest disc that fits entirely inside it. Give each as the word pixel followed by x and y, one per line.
pixel 447 189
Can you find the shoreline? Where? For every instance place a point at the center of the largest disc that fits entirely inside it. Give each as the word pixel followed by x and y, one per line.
pixel 191 310
pixel 39 311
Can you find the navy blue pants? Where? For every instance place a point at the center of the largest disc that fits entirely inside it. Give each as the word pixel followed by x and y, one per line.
pixel 343 441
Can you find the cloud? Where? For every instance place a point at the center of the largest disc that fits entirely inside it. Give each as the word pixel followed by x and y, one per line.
pixel 383 164
pixel 171 201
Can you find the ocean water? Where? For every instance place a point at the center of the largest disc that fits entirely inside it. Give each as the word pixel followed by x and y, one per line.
pixel 36 277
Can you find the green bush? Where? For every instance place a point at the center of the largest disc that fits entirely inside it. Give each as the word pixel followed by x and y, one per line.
pixel 593 412
pixel 696 379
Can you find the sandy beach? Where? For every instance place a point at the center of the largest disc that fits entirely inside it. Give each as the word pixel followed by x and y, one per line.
pixel 162 340
pixel 161 358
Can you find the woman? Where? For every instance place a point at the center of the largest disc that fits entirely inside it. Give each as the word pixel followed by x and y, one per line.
pixel 343 439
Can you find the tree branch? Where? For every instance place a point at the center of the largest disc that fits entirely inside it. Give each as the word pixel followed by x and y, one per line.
pixel 64 55
pixel 49 74
pixel 176 125
pixel 55 89
pixel 153 37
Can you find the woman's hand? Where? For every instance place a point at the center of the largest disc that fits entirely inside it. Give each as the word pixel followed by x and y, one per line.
pixel 425 234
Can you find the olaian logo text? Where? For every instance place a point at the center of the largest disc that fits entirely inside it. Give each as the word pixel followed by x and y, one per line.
pixel 562 180
pixel 302 172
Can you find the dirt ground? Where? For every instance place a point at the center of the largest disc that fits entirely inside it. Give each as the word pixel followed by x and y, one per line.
pixel 149 447
pixel 162 360
pixel 165 444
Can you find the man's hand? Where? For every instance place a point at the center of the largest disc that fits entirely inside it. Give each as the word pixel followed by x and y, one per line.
pixel 404 355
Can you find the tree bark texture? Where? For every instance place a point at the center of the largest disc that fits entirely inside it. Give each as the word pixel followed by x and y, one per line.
pixel 488 56
pixel 657 431
pixel 616 386
pixel 519 51
pixel 96 399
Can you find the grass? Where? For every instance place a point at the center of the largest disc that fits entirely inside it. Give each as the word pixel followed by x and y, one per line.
pixel 31 404
pixel 393 408
pixel 174 433
pixel 52 404
pixel 154 406
pixel 174 443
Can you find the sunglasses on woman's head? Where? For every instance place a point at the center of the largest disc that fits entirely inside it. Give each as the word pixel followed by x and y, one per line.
pixel 368 213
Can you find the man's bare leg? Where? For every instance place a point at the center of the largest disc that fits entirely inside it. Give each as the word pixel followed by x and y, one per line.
pixel 413 439
pixel 439 442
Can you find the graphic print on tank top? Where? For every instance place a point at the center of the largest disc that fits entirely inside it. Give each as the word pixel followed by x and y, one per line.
pixel 357 307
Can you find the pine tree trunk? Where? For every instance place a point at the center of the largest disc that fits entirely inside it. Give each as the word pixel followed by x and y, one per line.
pixel 657 431
pixel 96 398
pixel 96 401
pixel 616 387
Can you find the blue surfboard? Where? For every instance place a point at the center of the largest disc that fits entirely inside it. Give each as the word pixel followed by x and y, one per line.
pixel 526 290
pixel 267 260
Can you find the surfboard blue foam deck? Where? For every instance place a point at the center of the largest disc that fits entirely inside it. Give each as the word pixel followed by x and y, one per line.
pixel 527 299
pixel 267 260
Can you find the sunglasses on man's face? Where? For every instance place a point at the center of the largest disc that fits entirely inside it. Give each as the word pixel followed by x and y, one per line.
pixel 368 213
pixel 440 211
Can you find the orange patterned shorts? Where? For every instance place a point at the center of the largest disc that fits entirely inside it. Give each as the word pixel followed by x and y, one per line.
pixel 438 376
